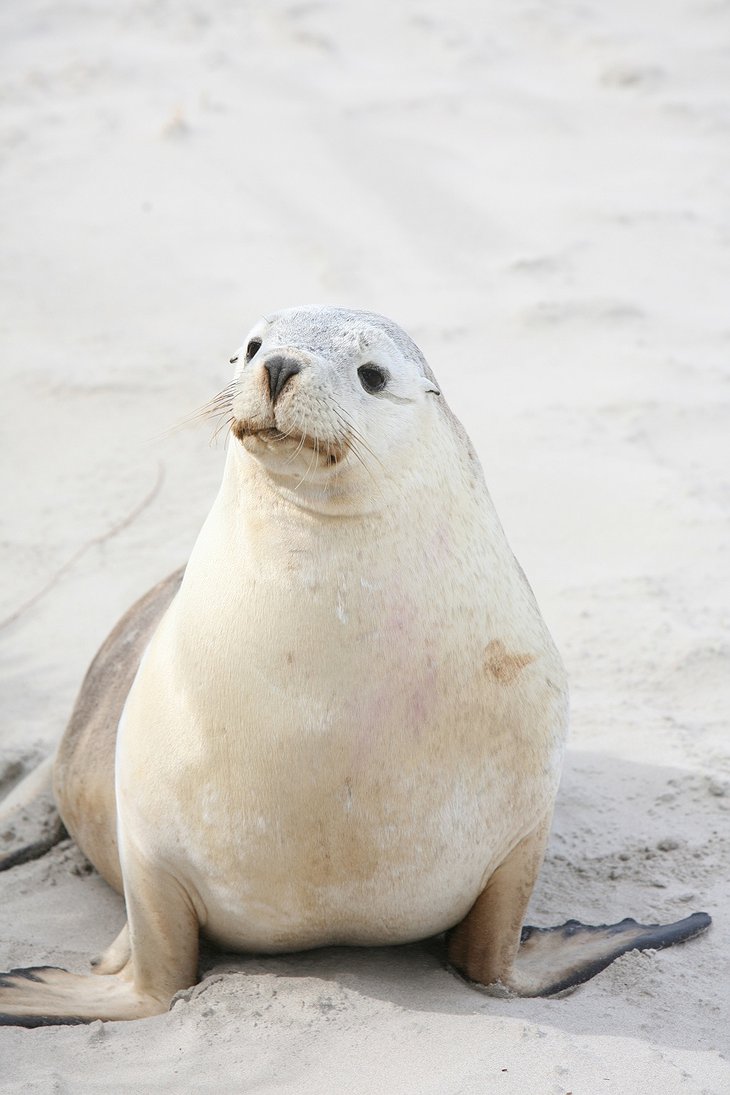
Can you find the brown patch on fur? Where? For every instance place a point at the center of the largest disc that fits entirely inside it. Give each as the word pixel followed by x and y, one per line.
pixel 502 665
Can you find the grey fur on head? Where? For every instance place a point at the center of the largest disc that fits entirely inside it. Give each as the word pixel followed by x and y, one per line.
pixel 317 328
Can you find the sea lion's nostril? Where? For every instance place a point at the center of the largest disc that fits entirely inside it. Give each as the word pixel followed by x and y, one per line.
pixel 280 369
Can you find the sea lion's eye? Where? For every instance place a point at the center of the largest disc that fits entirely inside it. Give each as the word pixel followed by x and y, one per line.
pixel 372 378
pixel 252 349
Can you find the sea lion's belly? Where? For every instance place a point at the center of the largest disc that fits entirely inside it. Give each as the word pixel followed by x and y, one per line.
pixel 348 784
pixel 357 861
pixel 344 843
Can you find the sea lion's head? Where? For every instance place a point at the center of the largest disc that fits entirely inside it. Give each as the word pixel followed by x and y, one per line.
pixel 325 397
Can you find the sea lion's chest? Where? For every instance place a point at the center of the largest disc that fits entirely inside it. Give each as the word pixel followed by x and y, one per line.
pixel 342 758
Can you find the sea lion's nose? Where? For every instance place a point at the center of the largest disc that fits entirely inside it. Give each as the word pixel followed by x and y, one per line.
pixel 280 369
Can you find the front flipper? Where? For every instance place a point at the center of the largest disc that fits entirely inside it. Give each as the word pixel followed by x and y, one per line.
pixel 491 948
pixel 115 957
pixel 48 996
pixel 145 966
pixel 551 960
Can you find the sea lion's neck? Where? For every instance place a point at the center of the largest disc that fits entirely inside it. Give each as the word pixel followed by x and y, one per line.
pixel 255 533
pixel 413 522
pixel 300 495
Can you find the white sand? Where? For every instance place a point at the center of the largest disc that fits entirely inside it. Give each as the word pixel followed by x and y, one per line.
pixel 538 192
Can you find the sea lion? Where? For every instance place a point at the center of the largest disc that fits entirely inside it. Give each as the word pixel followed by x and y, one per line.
pixel 344 724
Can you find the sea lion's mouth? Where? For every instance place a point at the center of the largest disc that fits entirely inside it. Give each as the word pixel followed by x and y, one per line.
pixel 243 427
pixel 328 451
pixel 264 433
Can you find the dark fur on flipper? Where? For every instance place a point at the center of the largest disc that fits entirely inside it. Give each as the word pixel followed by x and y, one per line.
pixel 601 945
pixel 29 819
pixel 31 974
pixel 42 996
pixel 29 852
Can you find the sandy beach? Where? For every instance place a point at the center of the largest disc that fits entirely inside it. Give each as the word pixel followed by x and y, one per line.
pixel 538 194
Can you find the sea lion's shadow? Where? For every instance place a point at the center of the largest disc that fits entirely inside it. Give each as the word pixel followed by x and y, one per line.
pixel 622 845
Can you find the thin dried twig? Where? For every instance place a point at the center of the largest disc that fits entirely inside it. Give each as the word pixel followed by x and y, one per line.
pixel 94 542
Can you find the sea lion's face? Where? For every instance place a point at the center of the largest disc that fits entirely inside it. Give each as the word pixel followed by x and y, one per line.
pixel 326 396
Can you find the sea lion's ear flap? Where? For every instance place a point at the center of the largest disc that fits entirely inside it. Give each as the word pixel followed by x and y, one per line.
pixel 428 385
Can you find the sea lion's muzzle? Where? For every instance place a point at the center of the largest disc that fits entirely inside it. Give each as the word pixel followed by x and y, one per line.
pixel 306 430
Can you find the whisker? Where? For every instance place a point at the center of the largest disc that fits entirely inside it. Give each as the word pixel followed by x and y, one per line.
pixel 228 432
pixel 302 435
pixel 228 422
pixel 361 459
pixel 302 430
pixel 222 399
pixel 309 469
pixel 315 456
pixel 347 421
pixel 358 438
pixel 349 428
pixel 220 404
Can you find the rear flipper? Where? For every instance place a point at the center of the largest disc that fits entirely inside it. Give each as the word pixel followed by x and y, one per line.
pixel 552 960
pixel 491 948
pixel 29 821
